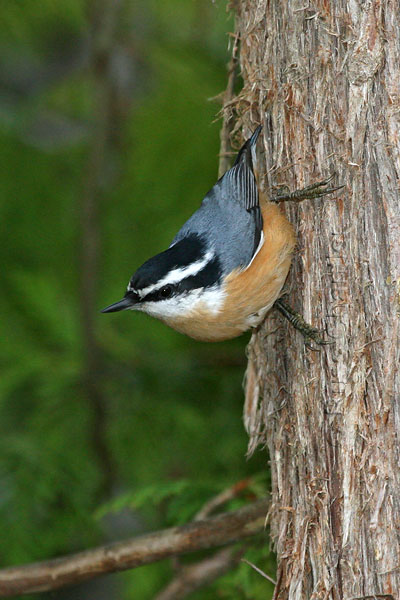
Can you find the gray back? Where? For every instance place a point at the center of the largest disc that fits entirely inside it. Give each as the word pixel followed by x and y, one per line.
pixel 225 223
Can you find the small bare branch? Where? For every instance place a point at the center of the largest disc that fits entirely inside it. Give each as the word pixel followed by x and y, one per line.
pixel 231 492
pixel 134 552
pixel 260 571
pixel 200 574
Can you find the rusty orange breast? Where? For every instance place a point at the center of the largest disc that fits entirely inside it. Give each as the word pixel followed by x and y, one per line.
pixel 248 293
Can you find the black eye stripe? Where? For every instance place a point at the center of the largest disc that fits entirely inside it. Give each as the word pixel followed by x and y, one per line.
pixel 207 277
pixel 182 254
pixel 166 291
pixel 132 294
pixel 162 294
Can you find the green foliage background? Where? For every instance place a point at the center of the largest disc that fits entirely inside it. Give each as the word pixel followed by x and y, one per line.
pixel 171 426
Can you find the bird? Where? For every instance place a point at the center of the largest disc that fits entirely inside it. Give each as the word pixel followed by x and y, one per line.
pixel 226 266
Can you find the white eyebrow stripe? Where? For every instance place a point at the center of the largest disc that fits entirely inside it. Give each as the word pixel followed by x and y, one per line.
pixel 176 275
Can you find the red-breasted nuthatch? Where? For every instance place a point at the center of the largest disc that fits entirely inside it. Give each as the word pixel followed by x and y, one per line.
pixel 225 267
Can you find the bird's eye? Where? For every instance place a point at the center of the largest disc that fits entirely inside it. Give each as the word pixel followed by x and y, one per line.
pixel 166 291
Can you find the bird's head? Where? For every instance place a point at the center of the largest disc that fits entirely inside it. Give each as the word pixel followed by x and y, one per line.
pixel 170 284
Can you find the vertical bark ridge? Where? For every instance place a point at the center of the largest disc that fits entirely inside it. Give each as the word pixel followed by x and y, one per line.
pixel 324 81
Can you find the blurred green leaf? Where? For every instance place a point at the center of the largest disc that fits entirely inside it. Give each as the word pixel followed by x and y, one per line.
pixel 150 495
pixel 170 420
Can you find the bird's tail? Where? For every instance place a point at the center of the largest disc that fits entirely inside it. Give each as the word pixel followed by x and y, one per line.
pixel 245 152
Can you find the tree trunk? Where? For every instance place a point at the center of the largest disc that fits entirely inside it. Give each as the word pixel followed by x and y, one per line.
pixel 324 81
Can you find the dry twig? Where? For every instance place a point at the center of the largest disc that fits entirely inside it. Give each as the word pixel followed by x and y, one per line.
pixel 203 573
pixel 134 552
pixel 260 571
pixel 231 492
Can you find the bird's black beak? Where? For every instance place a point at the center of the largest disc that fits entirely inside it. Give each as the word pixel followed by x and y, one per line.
pixel 127 302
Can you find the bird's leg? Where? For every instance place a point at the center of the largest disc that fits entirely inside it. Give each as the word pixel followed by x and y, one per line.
pixel 311 334
pixel 315 190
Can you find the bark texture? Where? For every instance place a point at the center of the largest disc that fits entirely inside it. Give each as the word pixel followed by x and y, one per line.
pixel 324 79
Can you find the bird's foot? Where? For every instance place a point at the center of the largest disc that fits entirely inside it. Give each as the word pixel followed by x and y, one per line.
pixel 315 190
pixel 310 334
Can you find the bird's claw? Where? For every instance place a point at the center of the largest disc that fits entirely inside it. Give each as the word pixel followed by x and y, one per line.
pixel 315 190
pixel 310 334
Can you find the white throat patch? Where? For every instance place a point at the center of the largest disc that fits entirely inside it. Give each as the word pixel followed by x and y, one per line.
pixel 211 299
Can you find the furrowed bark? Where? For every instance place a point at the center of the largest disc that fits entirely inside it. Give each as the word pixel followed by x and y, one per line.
pixel 323 79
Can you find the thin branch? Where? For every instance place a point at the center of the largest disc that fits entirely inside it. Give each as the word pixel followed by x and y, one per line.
pixel 206 510
pixel 134 552
pixel 203 573
pixel 231 492
pixel 260 571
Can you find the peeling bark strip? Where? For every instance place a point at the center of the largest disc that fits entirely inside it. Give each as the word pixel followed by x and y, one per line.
pixel 135 552
pixel 324 79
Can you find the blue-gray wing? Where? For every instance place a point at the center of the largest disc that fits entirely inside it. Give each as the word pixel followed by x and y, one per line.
pixel 230 218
